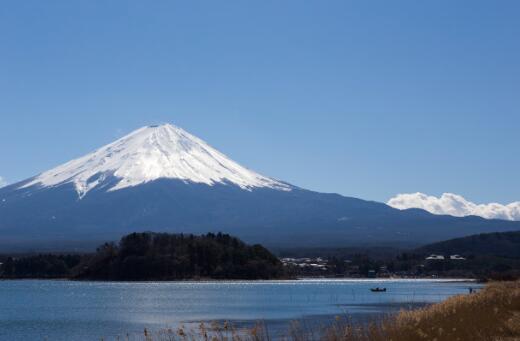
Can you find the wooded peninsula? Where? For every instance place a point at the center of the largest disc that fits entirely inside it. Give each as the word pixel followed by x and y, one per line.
pixel 154 256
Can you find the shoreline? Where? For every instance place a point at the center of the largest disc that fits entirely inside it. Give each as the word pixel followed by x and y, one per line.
pixel 121 307
pixel 493 314
pixel 303 279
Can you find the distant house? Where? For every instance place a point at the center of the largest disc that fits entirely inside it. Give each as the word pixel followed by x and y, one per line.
pixel 371 273
pixel 435 257
pixel 457 257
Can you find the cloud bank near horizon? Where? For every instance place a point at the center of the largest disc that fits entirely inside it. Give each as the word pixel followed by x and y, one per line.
pixel 2 182
pixel 455 205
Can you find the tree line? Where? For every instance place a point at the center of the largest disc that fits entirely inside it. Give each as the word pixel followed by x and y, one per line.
pixel 155 256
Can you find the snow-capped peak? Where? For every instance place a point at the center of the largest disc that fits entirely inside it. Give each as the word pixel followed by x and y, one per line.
pixel 151 153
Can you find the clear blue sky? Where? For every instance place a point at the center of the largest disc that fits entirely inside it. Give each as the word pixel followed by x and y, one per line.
pixel 363 98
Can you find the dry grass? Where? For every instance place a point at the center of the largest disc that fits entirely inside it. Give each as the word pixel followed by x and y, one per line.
pixel 204 332
pixel 491 314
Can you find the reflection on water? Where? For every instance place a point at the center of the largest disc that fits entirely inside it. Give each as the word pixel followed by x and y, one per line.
pixel 66 310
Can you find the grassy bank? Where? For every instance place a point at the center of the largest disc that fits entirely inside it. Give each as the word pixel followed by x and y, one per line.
pixel 490 314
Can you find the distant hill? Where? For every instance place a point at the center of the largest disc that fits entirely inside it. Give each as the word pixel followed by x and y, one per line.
pixel 163 256
pixel 153 256
pixel 499 244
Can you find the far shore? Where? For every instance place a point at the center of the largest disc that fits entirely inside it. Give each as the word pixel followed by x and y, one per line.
pixel 303 279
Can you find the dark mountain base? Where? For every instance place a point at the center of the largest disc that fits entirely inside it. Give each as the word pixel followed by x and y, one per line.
pixel 43 217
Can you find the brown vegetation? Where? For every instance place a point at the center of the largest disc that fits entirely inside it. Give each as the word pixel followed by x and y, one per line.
pixel 491 314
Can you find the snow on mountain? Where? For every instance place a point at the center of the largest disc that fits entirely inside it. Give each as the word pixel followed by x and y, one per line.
pixel 455 205
pixel 151 153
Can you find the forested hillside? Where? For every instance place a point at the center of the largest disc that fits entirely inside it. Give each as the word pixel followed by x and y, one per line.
pixel 153 256
pixel 162 256
pixel 500 244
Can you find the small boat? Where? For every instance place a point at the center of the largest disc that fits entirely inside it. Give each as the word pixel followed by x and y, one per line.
pixel 378 289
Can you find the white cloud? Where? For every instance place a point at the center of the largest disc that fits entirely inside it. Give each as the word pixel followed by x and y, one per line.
pixel 455 205
pixel 2 182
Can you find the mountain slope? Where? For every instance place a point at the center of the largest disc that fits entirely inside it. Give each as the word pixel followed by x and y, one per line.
pixel 163 179
pixel 500 244
pixel 151 153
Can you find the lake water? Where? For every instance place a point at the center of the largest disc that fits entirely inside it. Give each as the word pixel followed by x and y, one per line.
pixel 68 310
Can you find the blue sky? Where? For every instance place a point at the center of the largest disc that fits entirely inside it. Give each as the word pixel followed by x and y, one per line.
pixel 363 98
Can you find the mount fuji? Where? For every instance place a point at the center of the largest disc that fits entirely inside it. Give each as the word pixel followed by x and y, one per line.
pixel 152 153
pixel 161 178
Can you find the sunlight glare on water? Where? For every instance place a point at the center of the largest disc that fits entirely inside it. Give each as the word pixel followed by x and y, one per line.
pixel 66 310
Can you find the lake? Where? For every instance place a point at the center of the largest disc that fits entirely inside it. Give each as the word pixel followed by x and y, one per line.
pixel 70 310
